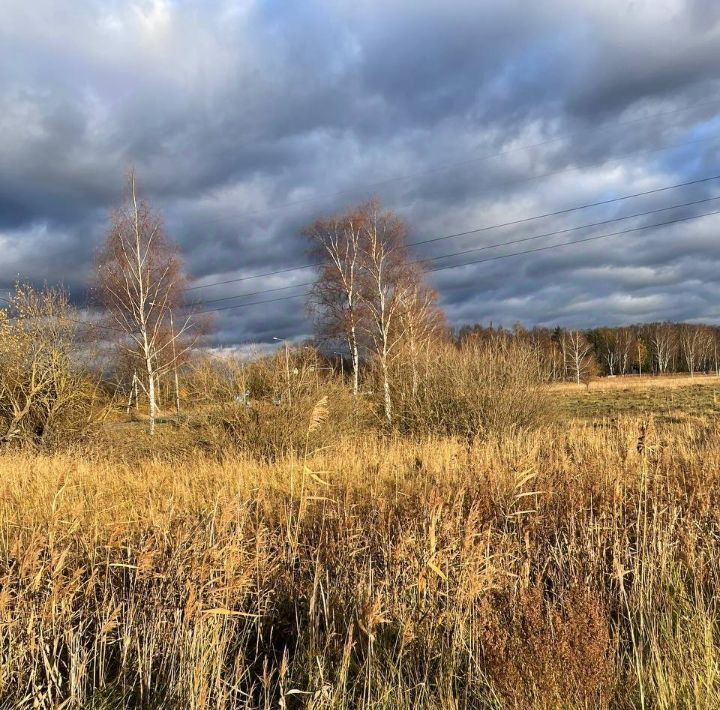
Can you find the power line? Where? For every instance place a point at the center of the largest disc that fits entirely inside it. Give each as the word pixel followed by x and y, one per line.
pixel 487 228
pixel 578 241
pixel 503 184
pixel 451 266
pixel 567 210
pixel 572 229
pixel 254 303
pixel 496 258
pixel 498 244
pixel 244 295
pixel 461 163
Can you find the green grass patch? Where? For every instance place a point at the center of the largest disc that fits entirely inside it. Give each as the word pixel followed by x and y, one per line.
pixel 667 403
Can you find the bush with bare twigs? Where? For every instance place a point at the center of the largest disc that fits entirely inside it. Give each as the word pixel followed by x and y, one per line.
pixel 479 388
pixel 262 405
pixel 46 398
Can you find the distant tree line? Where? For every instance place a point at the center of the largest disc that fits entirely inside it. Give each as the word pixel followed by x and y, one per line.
pixel 647 348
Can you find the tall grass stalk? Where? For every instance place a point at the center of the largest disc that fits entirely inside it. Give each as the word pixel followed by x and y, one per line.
pixel 559 568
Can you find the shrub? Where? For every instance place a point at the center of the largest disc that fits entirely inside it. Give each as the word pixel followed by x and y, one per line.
pixel 46 398
pixel 272 430
pixel 550 653
pixel 484 388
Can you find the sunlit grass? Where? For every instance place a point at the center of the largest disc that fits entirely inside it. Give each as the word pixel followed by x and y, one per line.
pixel 669 398
pixel 573 566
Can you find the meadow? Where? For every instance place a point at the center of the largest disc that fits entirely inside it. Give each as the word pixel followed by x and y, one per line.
pixel 668 398
pixel 573 564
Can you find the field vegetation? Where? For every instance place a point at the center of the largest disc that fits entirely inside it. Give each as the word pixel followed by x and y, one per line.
pixel 571 565
pixel 422 521
pixel 668 398
pixel 307 556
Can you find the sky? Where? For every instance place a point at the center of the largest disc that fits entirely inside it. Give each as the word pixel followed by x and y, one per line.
pixel 246 120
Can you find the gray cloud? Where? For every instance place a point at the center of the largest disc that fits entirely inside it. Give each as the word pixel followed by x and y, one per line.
pixel 245 120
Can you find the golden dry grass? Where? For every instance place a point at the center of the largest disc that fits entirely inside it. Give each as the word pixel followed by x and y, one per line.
pixel 670 399
pixel 629 382
pixel 573 567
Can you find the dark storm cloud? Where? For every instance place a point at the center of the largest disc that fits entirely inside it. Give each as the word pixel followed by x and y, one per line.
pixel 245 120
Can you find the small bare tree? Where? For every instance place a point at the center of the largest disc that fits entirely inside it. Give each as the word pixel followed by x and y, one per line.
pixel 696 345
pixel 422 323
pixel 690 346
pixel 662 342
pixel 44 393
pixel 580 357
pixel 140 282
pixel 625 340
pixel 336 295
pixel 714 349
pixel 606 344
pixel 391 279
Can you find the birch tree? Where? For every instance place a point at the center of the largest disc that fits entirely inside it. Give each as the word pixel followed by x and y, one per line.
pixel 714 347
pixel 662 342
pixel 624 346
pixel 606 343
pixel 336 294
pixel 140 281
pixel 370 294
pixel 389 283
pixel 696 345
pixel 691 346
pixel 579 354
pixel 422 322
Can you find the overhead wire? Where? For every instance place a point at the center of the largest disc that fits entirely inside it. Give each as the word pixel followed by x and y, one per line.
pixel 495 258
pixel 488 227
pixel 467 161
pixel 505 243
pixel 503 184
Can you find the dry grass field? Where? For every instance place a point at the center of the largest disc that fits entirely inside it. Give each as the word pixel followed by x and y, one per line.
pixel 670 398
pixel 574 566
